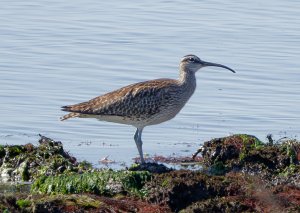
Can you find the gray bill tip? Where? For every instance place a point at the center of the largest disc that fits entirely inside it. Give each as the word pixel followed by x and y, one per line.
pixel 216 65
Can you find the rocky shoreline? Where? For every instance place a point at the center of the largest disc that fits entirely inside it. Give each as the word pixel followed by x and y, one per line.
pixel 239 174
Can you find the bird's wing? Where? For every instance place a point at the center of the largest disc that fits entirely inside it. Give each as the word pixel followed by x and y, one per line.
pixel 136 99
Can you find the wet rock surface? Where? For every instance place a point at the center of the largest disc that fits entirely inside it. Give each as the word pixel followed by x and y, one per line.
pixel 26 163
pixel 277 162
pixel 154 168
pixel 240 174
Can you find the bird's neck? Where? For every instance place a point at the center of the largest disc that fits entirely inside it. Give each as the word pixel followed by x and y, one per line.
pixel 187 79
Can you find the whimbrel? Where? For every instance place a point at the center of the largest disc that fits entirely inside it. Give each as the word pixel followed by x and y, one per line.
pixel 145 103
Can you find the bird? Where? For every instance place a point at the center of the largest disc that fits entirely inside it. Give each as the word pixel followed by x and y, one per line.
pixel 145 103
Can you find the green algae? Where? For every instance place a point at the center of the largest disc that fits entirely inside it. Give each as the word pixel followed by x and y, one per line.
pixel 249 143
pixel 85 165
pixel 218 168
pixel 105 182
pixel 23 203
pixel 2 151
pixel 251 140
pixel 289 148
pixel 166 182
pixel 14 188
pixel 80 201
pixel 290 170
pixel 14 150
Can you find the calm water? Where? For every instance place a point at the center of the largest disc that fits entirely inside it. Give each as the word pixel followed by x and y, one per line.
pixel 54 53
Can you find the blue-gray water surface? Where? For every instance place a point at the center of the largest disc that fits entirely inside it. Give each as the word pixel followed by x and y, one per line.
pixel 54 53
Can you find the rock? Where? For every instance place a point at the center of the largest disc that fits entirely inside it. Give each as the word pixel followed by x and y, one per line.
pixel 102 182
pixel 6 174
pixel 151 167
pixel 26 163
pixel 179 189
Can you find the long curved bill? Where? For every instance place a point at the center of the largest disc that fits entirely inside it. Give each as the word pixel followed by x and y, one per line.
pixel 206 64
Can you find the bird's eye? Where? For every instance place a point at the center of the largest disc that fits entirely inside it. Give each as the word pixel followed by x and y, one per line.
pixel 192 59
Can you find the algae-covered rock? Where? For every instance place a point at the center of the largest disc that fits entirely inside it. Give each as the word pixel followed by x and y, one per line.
pixel 105 182
pixel 153 168
pixel 63 203
pixel 188 191
pixel 75 203
pixel 219 204
pixel 229 148
pixel 247 153
pixel 27 162
pixel 178 189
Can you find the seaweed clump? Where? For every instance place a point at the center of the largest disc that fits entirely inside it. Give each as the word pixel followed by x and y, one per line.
pixel 103 182
pixel 26 163
pixel 247 153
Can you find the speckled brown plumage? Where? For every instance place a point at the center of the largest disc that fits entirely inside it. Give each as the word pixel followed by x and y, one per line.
pixel 134 100
pixel 137 102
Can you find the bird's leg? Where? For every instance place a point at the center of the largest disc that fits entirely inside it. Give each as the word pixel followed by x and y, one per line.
pixel 136 135
pixel 139 143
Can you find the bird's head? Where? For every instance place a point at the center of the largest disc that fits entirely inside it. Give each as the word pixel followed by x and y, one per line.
pixel 193 63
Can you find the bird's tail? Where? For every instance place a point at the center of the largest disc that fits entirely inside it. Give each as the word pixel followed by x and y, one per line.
pixel 70 115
